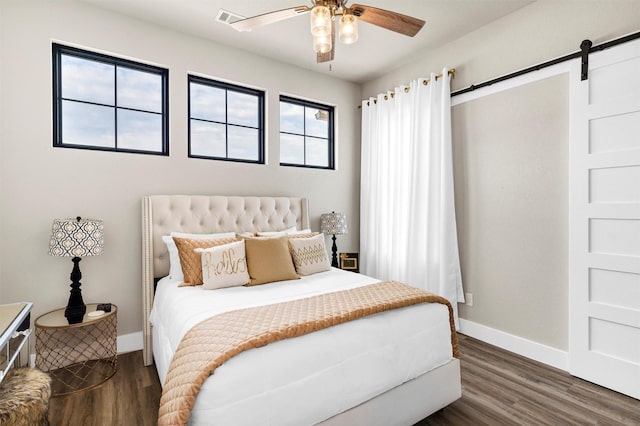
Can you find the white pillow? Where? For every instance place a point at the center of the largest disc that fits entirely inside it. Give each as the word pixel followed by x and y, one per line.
pixel 309 254
pixel 276 233
pixel 175 270
pixel 303 231
pixel 290 231
pixel 224 266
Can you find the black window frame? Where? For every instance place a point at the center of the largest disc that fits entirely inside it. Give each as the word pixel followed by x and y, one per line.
pixel 330 134
pixel 58 50
pixel 260 94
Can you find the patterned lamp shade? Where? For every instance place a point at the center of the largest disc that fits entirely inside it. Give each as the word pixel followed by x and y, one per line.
pixel 76 237
pixel 333 223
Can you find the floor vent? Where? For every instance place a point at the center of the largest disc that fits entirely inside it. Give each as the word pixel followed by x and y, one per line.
pixel 226 17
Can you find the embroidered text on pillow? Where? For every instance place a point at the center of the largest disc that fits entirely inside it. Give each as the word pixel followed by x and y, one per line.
pixel 229 264
pixel 224 266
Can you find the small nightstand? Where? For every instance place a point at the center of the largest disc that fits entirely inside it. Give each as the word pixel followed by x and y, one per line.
pixel 77 356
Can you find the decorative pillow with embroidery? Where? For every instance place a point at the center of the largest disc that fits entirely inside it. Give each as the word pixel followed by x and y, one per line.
pixel 190 261
pixel 309 254
pixel 305 234
pixel 175 270
pixel 224 266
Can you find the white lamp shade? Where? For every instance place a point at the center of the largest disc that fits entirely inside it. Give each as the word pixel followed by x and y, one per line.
pixel 320 19
pixel 348 30
pixel 333 223
pixel 76 237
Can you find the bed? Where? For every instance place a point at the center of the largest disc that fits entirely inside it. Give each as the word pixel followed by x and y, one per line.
pixel 375 370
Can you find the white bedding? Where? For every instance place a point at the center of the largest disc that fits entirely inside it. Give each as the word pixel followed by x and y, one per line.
pixel 310 378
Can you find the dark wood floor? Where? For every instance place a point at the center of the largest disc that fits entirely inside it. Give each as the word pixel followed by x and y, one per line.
pixel 501 388
pixel 498 388
pixel 130 397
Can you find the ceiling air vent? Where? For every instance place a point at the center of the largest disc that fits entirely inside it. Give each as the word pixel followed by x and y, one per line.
pixel 227 17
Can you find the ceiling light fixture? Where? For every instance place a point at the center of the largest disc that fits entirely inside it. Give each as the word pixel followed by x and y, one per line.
pixel 348 29
pixel 320 21
pixel 323 15
pixel 322 44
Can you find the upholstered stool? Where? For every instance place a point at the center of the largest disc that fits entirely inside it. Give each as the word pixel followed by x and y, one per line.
pixel 24 398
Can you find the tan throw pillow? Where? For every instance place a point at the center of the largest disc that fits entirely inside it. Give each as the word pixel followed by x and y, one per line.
pixel 309 254
pixel 224 266
pixel 175 271
pixel 269 260
pixel 190 261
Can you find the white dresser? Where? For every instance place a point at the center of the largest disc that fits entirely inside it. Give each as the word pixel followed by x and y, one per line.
pixel 16 329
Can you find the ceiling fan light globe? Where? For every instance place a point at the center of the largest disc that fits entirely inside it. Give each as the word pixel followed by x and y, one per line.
pixel 348 29
pixel 322 44
pixel 320 18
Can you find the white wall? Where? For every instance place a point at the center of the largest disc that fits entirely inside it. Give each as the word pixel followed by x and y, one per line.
pixel 543 30
pixel 39 183
pixel 511 167
pixel 512 208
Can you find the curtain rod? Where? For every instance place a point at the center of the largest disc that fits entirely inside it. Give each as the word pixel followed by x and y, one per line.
pixel 451 72
pixel 538 67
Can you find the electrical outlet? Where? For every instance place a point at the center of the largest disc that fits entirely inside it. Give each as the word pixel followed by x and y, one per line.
pixel 468 299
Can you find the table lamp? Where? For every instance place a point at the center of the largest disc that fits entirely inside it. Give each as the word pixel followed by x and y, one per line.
pixel 78 238
pixel 334 224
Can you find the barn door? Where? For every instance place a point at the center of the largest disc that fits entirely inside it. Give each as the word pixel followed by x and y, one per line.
pixel 604 315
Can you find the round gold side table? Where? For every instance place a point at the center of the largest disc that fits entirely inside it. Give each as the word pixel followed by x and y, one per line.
pixel 77 356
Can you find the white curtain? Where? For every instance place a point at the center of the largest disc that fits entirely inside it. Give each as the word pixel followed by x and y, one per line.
pixel 408 225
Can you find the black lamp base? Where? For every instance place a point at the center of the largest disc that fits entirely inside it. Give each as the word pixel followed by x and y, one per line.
pixel 76 308
pixel 334 253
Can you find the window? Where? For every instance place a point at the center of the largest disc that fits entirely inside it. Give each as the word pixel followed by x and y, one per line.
pixel 106 103
pixel 306 134
pixel 226 122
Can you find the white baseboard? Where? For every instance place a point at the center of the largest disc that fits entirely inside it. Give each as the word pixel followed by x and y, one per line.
pixel 527 348
pixel 130 342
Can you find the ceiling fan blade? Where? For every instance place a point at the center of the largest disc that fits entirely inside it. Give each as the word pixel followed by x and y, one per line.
pixel 393 21
pixel 328 56
pixel 269 18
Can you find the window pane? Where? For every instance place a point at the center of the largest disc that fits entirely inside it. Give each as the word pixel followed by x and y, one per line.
pixel 86 80
pixel 291 118
pixel 243 143
pixel 208 139
pixel 108 103
pixel 86 124
pixel 207 103
pixel 242 109
pixel 139 130
pixel 317 122
pixel 291 149
pixel 238 112
pixel 317 152
pixel 139 90
pixel 306 136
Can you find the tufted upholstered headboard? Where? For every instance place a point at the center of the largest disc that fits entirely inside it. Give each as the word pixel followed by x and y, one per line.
pixel 203 214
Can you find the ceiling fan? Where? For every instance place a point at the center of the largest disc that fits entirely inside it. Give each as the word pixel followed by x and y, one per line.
pixel 323 15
